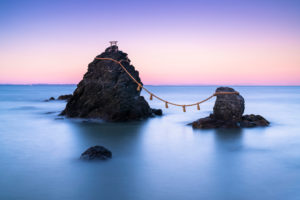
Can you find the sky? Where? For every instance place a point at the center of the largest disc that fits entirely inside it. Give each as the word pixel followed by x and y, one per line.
pixel 202 42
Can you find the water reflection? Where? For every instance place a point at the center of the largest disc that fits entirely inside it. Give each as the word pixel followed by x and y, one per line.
pixel 228 139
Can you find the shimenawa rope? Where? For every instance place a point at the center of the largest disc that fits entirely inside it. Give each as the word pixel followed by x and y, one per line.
pixel 140 86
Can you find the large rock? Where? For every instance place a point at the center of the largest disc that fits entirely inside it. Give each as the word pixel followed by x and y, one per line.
pixel 228 107
pixel 228 113
pixel 107 92
pixel 96 153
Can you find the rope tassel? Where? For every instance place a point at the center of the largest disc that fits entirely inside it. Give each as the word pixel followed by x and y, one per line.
pixel 139 87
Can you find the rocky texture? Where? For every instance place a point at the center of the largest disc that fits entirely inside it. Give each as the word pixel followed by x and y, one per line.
pixel 107 92
pixel 66 97
pixel 228 113
pixel 253 120
pixel 96 153
pixel 228 107
pixel 212 122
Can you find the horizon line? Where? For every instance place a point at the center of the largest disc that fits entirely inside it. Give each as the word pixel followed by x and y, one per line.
pixel 170 85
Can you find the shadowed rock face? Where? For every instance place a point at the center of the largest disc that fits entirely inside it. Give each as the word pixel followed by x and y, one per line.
pixel 228 113
pixel 107 92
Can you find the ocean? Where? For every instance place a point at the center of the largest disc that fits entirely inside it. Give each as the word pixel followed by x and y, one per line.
pixel 158 158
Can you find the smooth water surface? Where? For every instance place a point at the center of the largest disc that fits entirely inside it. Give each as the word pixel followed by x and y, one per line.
pixel 159 158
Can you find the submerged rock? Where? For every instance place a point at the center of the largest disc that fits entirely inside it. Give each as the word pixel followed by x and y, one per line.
pixel 96 153
pixel 66 97
pixel 107 92
pixel 228 113
pixel 50 99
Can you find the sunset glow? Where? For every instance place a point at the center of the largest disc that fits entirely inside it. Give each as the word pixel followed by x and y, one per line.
pixel 191 43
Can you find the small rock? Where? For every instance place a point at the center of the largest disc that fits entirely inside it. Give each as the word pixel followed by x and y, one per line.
pixel 50 99
pixel 157 112
pixel 96 153
pixel 65 97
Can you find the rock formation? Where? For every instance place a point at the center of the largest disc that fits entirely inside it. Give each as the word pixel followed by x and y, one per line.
pixel 108 93
pixel 228 113
pixel 96 153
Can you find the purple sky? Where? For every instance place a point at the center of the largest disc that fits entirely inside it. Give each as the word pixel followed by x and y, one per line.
pixel 169 42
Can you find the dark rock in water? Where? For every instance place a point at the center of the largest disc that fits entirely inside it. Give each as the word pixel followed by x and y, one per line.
pixel 228 107
pixel 50 99
pixel 228 113
pixel 107 92
pixel 253 120
pixel 157 112
pixel 65 97
pixel 96 153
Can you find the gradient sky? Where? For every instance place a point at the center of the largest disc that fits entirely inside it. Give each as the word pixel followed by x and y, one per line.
pixel 213 42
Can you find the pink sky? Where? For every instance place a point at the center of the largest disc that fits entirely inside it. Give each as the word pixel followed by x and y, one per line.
pixel 189 49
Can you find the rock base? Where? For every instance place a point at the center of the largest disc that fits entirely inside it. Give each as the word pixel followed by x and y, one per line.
pixel 253 121
pixel 246 121
pixel 228 113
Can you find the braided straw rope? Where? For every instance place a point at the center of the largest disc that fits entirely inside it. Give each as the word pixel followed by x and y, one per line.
pixel 139 86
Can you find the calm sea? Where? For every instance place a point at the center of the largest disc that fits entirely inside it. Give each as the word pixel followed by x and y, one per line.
pixel 159 158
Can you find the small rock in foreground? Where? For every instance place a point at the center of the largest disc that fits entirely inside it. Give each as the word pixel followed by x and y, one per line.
pixel 96 153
